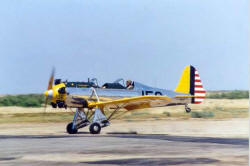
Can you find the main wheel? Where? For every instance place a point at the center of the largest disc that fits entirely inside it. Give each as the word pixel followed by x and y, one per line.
pixel 70 130
pixel 95 128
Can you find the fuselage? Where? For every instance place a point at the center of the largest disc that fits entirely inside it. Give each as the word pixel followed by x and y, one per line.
pixel 59 92
pixel 138 90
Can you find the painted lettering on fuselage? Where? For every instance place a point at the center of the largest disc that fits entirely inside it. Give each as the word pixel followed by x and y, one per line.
pixel 146 92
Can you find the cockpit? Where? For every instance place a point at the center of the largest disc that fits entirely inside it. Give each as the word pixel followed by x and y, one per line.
pixel 119 84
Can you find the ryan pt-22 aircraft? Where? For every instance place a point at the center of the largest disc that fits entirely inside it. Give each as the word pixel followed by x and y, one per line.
pixel 92 101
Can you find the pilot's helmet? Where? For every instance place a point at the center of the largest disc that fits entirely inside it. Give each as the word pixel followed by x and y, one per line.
pixel 128 82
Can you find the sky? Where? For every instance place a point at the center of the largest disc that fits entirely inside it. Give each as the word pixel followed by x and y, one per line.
pixel 149 41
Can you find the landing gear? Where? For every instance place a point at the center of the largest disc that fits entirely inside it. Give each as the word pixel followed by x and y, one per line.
pixel 95 128
pixel 187 109
pixel 71 129
pixel 99 121
pixel 80 120
pixel 96 119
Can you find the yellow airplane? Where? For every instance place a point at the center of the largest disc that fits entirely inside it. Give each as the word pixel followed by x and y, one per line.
pixel 92 101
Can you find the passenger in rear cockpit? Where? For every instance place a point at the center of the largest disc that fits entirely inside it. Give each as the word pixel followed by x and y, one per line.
pixel 129 85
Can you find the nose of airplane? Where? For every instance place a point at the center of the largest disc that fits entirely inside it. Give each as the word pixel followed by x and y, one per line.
pixel 48 93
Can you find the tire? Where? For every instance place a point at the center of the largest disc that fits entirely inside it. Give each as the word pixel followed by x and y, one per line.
pixel 70 130
pixel 95 128
pixel 188 110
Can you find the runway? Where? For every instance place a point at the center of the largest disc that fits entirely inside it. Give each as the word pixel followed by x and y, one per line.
pixel 121 149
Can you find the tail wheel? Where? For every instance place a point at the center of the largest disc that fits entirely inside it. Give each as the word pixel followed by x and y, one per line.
pixel 187 109
pixel 70 129
pixel 95 128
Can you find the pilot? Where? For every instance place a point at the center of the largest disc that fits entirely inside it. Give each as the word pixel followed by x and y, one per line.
pixel 129 84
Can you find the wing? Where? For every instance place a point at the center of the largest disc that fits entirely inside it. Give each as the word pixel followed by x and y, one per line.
pixel 141 102
pixel 131 103
pixel 128 104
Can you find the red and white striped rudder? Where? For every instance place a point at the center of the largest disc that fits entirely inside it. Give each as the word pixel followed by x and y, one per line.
pixel 199 91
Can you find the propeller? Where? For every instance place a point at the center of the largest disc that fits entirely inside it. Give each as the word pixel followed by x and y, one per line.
pixel 49 89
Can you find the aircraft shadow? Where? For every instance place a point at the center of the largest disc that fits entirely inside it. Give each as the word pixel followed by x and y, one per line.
pixel 232 141
pixel 154 161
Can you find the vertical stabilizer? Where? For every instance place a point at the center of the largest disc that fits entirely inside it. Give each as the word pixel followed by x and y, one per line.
pixel 190 82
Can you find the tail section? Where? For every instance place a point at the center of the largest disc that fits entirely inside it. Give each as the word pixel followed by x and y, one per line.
pixel 190 82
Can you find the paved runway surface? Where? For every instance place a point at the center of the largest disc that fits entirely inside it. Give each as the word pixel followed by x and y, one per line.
pixel 121 149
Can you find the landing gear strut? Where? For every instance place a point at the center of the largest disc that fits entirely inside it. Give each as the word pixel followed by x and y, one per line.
pixel 79 121
pixel 99 121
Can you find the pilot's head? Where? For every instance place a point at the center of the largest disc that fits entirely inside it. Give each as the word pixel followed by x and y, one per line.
pixel 128 83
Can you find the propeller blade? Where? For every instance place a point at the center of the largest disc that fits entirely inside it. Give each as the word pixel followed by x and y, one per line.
pixel 50 85
pixel 45 106
pixel 51 79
